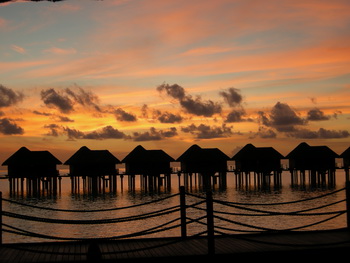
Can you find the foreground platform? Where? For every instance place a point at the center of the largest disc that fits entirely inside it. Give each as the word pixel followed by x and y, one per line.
pixel 275 247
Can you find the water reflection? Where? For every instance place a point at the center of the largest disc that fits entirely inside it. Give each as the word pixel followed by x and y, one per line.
pixel 124 196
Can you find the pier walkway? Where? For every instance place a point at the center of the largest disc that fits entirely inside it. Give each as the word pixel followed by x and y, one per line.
pixel 314 244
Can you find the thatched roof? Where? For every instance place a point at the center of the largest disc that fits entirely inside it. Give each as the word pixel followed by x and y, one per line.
pixel 26 157
pixel 303 150
pixel 139 154
pixel 197 154
pixel 346 154
pixel 249 151
pixel 86 156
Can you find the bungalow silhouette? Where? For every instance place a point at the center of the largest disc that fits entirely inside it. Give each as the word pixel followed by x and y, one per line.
pixel 262 161
pixel 318 161
pixel 306 157
pixel 94 165
pixel 86 162
pixel 25 163
pixel 204 161
pixel 150 162
pixel 150 165
pixel 35 166
pixel 257 159
pixel 346 162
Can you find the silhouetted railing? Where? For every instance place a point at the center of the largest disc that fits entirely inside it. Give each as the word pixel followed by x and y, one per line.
pixel 194 216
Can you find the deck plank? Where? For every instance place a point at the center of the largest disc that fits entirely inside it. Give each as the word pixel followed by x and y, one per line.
pixel 164 248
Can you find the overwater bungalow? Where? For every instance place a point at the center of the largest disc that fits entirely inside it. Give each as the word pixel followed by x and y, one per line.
pixel 152 165
pixel 262 162
pixel 97 166
pixel 318 161
pixel 346 162
pixel 38 168
pixel 208 163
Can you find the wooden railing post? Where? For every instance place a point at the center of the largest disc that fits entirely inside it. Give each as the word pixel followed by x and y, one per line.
pixel 0 218
pixel 183 212
pixel 210 223
pixel 347 189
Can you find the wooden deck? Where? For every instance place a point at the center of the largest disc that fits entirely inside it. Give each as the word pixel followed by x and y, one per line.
pixel 258 246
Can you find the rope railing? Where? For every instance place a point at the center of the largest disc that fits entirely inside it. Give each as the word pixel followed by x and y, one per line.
pixel 252 212
pixel 212 217
pixel 93 221
pixel 124 219
pixel 88 210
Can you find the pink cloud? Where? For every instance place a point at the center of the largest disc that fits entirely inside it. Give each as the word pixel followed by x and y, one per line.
pixel 60 51
pixel 12 66
pixel 3 22
pixel 18 49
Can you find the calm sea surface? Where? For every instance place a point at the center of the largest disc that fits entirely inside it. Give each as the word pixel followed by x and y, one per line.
pixel 124 198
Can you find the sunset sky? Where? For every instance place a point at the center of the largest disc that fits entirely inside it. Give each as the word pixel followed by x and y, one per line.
pixel 115 74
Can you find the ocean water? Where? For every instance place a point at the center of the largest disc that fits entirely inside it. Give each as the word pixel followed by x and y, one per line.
pixel 233 220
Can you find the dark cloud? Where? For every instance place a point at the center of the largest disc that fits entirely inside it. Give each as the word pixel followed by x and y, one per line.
pixel 122 115
pixel 328 134
pixel 53 99
pixel 162 117
pixel 236 116
pixel 316 115
pixel 63 119
pixel 175 91
pixel 65 100
pixel 335 114
pixel 232 97
pixel 282 117
pixel 200 108
pixel 84 98
pixel 8 127
pixel 58 118
pixel 144 111
pixel 41 113
pixel 73 133
pixel 265 133
pixel 320 134
pixel 191 105
pixel 203 131
pixel 8 97
pixel 107 132
pixel 167 117
pixel 54 129
pixel 154 135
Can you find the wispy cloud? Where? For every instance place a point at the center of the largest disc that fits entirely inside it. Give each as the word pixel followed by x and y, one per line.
pixel 18 49
pixel 60 51
pixel 3 22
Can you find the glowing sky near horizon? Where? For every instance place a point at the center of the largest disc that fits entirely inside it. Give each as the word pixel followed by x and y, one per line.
pixel 113 74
